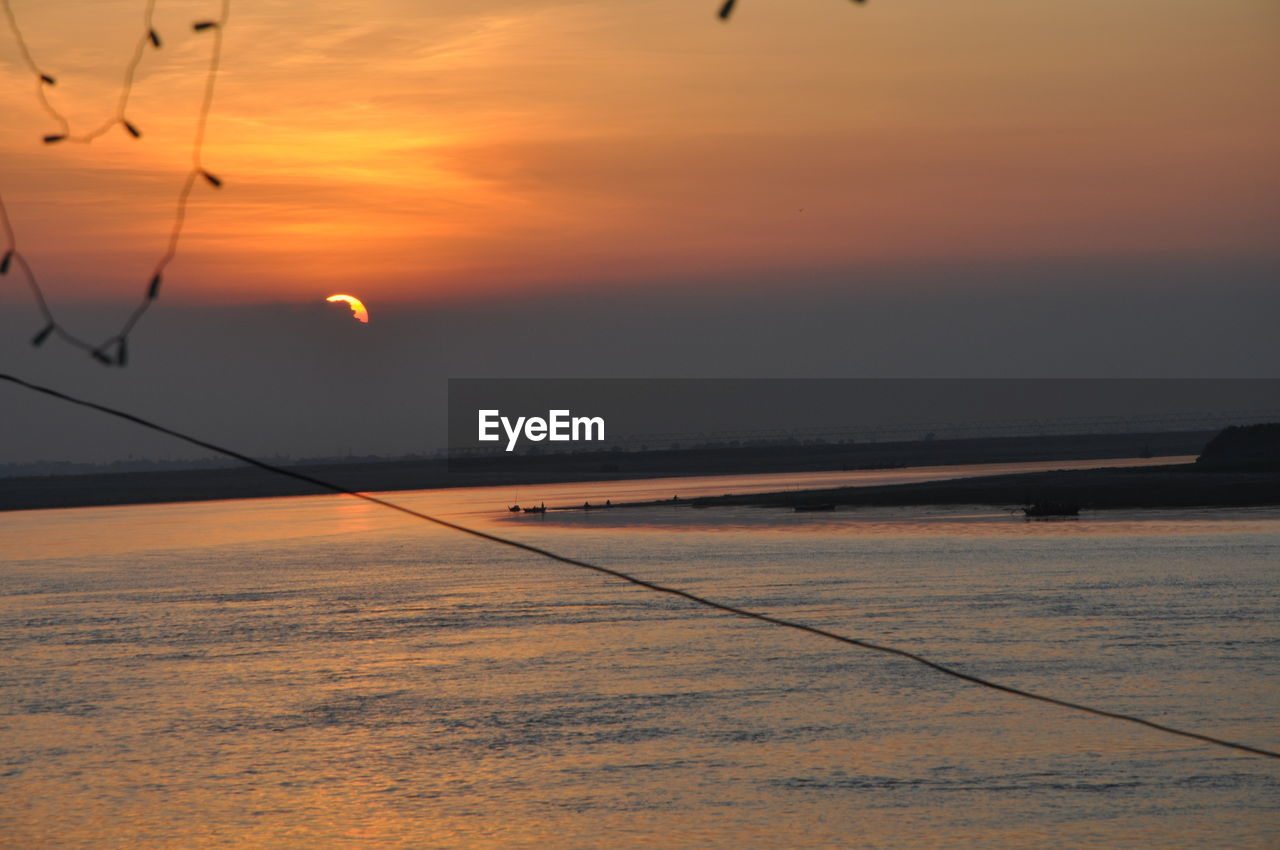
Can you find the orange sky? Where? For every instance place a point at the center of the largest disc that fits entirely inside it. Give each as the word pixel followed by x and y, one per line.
pixel 419 151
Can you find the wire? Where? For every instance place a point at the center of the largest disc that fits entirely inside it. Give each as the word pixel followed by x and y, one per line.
pixel 114 349
pixel 44 80
pixel 648 585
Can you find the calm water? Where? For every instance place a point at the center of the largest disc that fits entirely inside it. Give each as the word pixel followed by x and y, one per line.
pixel 321 672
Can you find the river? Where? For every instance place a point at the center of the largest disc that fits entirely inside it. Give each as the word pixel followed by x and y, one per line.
pixel 322 672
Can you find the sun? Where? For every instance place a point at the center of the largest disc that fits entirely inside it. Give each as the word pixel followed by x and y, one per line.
pixel 357 309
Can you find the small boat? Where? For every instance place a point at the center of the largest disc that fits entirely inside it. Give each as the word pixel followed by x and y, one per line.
pixel 540 509
pixel 1047 508
pixel 825 506
pixel 515 509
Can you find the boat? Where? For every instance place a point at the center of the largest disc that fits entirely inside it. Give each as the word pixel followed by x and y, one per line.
pixel 1048 508
pixel 515 509
pixel 540 509
pixel 824 506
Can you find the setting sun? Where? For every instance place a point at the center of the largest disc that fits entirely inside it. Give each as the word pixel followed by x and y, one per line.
pixel 357 309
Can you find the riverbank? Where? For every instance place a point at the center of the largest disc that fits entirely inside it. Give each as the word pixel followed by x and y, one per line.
pixel 150 487
pixel 1175 485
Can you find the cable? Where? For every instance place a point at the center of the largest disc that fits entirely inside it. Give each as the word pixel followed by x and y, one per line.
pixel 114 349
pixel 45 80
pixel 648 585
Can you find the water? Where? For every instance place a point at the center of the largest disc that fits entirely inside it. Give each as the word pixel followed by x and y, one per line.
pixel 321 672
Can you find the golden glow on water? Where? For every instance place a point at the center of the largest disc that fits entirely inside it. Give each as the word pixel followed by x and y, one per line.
pixel 315 671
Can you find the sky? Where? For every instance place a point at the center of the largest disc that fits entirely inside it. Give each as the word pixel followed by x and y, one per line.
pixel 635 189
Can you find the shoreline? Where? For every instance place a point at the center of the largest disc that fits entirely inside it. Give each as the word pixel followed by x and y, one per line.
pixel 1170 486
pixel 199 485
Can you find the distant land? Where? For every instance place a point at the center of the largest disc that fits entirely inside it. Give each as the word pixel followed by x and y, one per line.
pixel 1239 467
pixel 39 468
pixel 154 486
pixel 1171 486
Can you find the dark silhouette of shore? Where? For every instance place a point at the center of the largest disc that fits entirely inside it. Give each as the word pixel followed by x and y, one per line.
pixel 1239 467
pixel 34 492
pixel 1175 485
